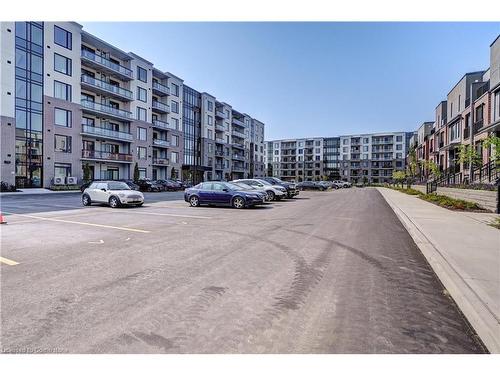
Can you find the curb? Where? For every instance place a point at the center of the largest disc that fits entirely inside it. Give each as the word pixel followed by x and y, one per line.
pixel 472 306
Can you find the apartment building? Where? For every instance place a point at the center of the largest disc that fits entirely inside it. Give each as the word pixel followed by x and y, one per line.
pixel 72 102
pixel 372 157
pixel 470 113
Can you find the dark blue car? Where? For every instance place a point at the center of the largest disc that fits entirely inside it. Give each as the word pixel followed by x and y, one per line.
pixel 222 193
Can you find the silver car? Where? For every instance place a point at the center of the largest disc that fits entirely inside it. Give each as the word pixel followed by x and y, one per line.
pixel 114 193
pixel 274 192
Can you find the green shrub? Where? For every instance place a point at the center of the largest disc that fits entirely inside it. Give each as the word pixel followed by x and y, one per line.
pixel 64 187
pixel 452 203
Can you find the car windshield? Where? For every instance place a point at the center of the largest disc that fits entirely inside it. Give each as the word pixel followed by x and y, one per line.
pixel 118 186
pixel 264 182
pixel 233 186
pixel 243 185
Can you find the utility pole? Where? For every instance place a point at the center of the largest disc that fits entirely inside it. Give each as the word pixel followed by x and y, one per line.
pixel 471 128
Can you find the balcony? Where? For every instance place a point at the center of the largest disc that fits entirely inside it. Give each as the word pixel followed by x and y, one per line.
pixel 160 107
pixel 220 128
pixel 237 133
pixel 382 141
pixel 106 88
pixel 220 114
pixel 238 122
pixel 238 157
pixel 163 125
pixel 219 166
pixel 478 125
pixel 219 153
pixel 237 168
pixel 441 144
pixel 103 155
pixel 160 162
pixel 238 145
pixel 160 89
pixel 161 142
pixel 107 110
pixel 106 133
pixel 220 140
pixel 101 63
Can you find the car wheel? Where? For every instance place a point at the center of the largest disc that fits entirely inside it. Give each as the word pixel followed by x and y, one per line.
pixel 114 202
pixel 271 195
pixel 238 202
pixel 86 200
pixel 194 201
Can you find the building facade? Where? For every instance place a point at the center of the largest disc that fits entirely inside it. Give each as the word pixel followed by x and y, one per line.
pixel 75 106
pixel 468 116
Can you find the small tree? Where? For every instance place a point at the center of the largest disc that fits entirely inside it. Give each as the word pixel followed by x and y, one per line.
pixel 399 177
pixel 86 172
pixel 468 155
pixel 433 169
pixel 136 172
pixel 494 141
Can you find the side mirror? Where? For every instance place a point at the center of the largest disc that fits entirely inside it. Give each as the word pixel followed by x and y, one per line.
pixel 103 189
pixel 226 190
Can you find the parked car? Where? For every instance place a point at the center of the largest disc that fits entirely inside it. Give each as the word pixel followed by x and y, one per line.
pixel 168 185
pixel 274 192
pixel 114 193
pixel 291 187
pixel 310 185
pixel 146 184
pixel 131 184
pixel 244 186
pixel 327 184
pixel 221 193
pixel 343 184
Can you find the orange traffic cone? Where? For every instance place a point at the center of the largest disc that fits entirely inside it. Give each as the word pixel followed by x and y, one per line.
pixel 2 220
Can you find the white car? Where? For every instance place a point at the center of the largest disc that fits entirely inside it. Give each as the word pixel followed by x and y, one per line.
pixel 114 193
pixel 274 192
pixel 342 184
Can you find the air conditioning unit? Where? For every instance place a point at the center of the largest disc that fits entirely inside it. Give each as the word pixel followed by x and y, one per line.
pixel 58 180
pixel 71 180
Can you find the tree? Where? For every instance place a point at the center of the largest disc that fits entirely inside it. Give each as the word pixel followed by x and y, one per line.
pixel 469 156
pixel 433 168
pixel 365 180
pixel 86 172
pixel 494 141
pixel 136 172
pixel 412 165
pixel 399 177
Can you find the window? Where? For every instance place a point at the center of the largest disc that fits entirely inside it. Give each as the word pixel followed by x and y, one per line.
pixel 62 37
pixel 496 106
pixel 365 148
pixel 399 147
pixel 317 151
pixel 209 134
pixel 174 157
pixel 175 123
pixel 62 170
pixel 344 150
pixel 141 114
pixel 399 155
pixel 142 74
pixel 345 141
pixel 317 157
pixel 174 106
pixel 142 173
pixel 210 106
pixel 141 152
pixel 366 140
pixel 142 94
pixel 209 120
pixel 62 143
pixel 62 64
pixel 62 117
pixel 317 143
pixel 174 141
pixel 175 89
pixel 62 91
pixel 399 138
pixel 142 134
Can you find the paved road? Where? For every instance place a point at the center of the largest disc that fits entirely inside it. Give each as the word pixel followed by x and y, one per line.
pixel 59 202
pixel 330 272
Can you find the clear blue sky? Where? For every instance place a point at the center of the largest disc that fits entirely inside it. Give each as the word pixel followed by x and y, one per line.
pixel 315 79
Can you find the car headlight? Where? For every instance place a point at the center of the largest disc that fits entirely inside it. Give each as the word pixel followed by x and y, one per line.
pixel 282 189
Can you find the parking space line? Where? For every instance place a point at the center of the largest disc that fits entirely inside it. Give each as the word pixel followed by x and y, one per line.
pixel 83 223
pixel 8 261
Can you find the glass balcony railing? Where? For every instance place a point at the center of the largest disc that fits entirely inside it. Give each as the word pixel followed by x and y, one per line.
pixel 238 133
pixel 106 63
pixel 160 106
pixel 161 88
pixel 220 114
pixel 160 161
pixel 238 157
pixel 219 140
pixel 164 125
pixel 106 109
pixel 238 122
pixel 91 154
pixel 161 142
pixel 220 127
pixel 103 132
pixel 106 86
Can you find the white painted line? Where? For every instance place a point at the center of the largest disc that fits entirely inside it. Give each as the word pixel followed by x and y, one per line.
pixel 8 261
pixel 82 223
pixel 98 242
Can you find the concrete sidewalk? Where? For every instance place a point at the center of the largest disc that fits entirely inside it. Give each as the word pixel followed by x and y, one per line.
pixel 38 191
pixel 465 254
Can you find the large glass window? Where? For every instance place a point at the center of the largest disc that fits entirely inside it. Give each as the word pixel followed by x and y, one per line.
pixel 62 64
pixel 141 152
pixel 141 114
pixel 62 37
pixel 142 74
pixel 62 91
pixel 174 89
pixel 62 143
pixel 175 106
pixel 142 94
pixel 62 117
pixel 141 134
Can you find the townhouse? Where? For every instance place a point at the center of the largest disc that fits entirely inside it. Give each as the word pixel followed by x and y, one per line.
pixel 469 115
pixel 75 106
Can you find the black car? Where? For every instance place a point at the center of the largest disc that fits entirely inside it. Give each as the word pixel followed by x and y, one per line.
pixel 148 185
pixel 291 187
pixel 310 185
pixel 169 185
pixel 131 184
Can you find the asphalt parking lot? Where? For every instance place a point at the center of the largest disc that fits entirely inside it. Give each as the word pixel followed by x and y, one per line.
pixel 327 272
